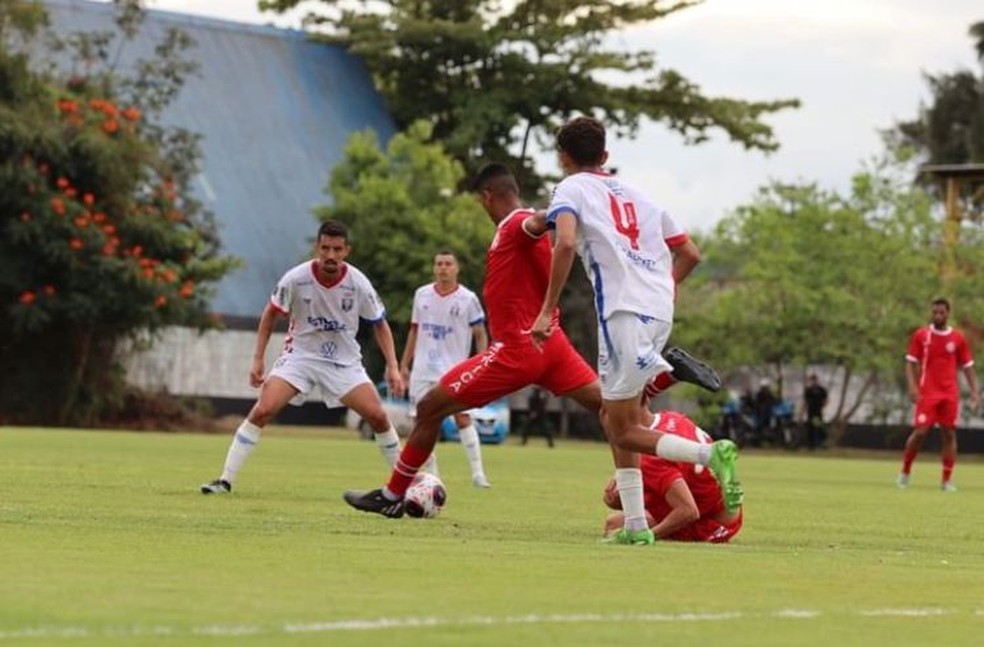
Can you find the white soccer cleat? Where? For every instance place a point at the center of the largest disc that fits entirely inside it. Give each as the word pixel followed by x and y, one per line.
pixel 481 481
pixel 948 486
pixel 902 482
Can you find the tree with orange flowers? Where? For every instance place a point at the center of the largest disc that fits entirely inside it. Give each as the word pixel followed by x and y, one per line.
pixel 102 239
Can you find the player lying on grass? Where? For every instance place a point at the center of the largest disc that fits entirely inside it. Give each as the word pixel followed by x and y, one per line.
pixel 683 501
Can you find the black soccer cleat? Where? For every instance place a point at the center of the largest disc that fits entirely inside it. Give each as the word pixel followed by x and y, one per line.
pixel 218 486
pixel 374 501
pixel 687 368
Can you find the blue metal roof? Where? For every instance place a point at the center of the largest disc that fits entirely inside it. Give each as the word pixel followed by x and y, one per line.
pixel 275 110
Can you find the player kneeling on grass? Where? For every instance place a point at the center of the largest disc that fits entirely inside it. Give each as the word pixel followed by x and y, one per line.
pixel 683 501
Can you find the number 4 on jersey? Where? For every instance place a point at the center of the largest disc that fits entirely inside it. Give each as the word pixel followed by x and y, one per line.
pixel 626 222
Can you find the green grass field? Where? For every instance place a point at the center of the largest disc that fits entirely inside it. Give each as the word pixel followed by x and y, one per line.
pixel 105 540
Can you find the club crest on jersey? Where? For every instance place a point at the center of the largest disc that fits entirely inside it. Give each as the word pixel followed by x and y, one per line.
pixel 347 303
pixel 951 347
pixel 455 310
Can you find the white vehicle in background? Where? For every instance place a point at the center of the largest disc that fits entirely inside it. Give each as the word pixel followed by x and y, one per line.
pixel 491 421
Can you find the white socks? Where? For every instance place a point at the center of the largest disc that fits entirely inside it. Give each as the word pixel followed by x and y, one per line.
pixel 629 482
pixel 389 446
pixel 243 443
pixel 473 450
pixel 680 450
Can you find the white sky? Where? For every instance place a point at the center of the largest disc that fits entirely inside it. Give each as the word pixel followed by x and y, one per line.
pixel 856 65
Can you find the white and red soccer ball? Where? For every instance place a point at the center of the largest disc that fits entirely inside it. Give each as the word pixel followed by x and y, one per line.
pixel 426 496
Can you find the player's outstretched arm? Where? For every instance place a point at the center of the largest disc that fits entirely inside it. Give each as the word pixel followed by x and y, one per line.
pixel 683 511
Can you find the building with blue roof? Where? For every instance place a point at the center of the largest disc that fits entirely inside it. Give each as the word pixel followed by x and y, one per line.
pixel 275 111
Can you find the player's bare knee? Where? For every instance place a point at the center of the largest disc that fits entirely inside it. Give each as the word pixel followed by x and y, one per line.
pixel 377 419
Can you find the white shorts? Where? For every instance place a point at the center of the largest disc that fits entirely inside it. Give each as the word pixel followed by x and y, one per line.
pixel 630 353
pixel 309 375
pixel 418 389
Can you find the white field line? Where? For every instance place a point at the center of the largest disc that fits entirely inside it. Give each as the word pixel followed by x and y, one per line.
pixel 376 624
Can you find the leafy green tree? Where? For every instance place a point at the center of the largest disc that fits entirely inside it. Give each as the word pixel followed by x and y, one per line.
pixel 805 276
pixel 949 129
pixel 101 237
pixel 496 80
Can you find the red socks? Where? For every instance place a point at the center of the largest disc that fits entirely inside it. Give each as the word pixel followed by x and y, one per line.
pixel 411 459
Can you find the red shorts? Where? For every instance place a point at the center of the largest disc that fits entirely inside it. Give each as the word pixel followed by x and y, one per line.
pixel 508 366
pixel 936 410
pixel 709 530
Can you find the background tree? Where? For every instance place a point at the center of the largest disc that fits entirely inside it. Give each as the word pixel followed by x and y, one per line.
pixel 949 128
pixel 101 239
pixel 495 82
pixel 803 276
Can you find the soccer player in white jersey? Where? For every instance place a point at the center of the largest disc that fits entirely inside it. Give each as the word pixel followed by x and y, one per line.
pixel 325 299
pixel 446 317
pixel 634 253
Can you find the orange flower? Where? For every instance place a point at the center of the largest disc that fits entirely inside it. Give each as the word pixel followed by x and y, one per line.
pixel 76 244
pixel 109 249
pixel 49 290
pixel 81 221
pixel 169 276
pixel 25 217
pixel 99 217
pixel 27 297
pixel 187 289
pixel 160 302
pixel 62 183
pixel 148 273
pixel 89 199
pixel 67 105
pixel 131 114
pixel 110 126
pixel 137 250
pixel 109 230
pixel 58 206
pixel 70 192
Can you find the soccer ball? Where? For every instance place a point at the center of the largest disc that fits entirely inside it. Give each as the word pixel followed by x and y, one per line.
pixel 426 496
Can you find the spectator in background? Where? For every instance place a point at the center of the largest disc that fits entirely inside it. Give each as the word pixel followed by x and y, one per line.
pixel 814 401
pixel 765 404
pixel 536 416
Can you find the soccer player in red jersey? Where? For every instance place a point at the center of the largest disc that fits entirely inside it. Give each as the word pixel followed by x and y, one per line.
pixel 517 269
pixel 516 278
pixel 683 501
pixel 935 353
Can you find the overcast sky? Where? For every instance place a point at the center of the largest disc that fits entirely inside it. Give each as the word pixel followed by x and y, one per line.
pixel 856 65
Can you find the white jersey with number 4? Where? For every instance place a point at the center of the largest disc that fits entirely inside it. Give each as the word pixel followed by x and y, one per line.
pixel 624 242
pixel 324 317
pixel 444 329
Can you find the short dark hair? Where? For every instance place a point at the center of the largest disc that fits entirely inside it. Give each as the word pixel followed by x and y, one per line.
pixel 583 139
pixel 333 229
pixel 942 302
pixel 446 251
pixel 497 178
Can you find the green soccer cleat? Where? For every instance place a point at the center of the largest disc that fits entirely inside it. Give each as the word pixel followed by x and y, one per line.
pixel 724 455
pixel 624 537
